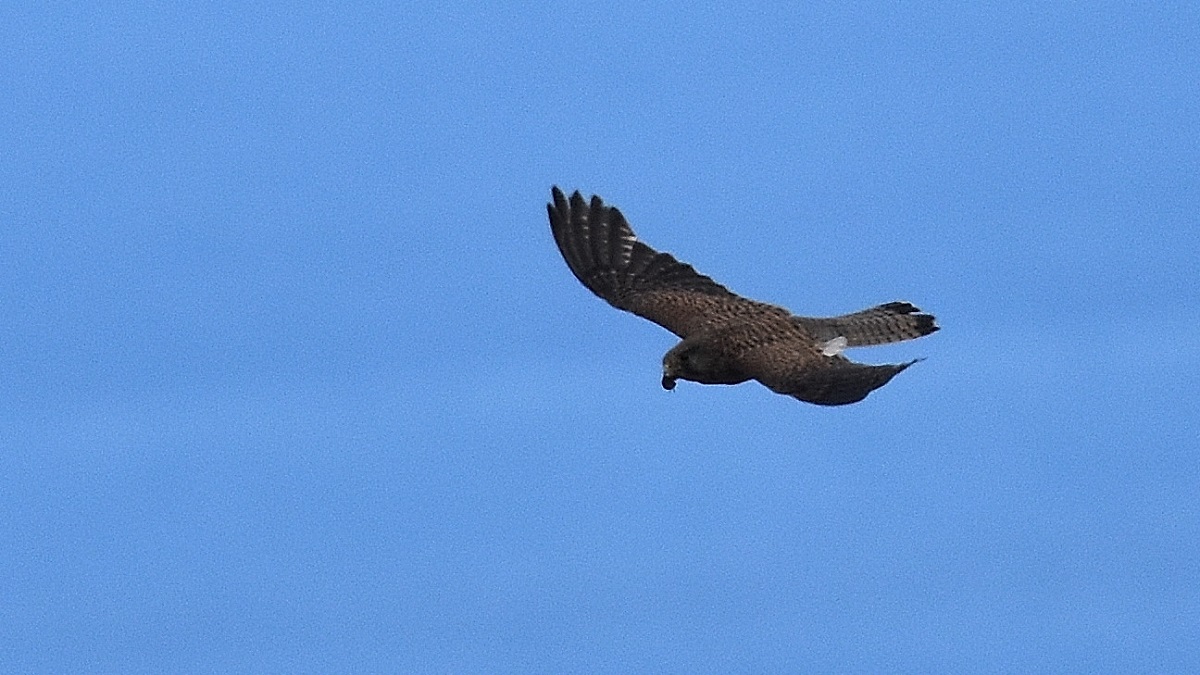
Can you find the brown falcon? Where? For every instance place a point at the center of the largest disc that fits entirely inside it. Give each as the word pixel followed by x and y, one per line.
pixel 726 339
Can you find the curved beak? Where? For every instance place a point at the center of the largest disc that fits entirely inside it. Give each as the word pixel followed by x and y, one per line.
pixel 668 382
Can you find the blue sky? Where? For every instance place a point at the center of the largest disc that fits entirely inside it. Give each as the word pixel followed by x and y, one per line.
pixel 294 379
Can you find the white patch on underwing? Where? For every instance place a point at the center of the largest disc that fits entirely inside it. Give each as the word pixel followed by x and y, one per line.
pixel 834 346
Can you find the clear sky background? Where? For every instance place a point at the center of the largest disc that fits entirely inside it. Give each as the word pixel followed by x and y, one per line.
pixel 293 379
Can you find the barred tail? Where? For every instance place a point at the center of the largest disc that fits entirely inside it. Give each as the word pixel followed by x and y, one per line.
pixel 891 322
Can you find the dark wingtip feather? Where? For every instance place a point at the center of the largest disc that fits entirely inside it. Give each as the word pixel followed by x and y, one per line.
pixel 604 254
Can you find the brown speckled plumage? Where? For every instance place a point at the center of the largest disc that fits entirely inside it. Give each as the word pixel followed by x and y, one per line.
pixel 727 339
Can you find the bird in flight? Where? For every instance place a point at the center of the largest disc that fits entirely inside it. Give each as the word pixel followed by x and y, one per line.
pixel 725 338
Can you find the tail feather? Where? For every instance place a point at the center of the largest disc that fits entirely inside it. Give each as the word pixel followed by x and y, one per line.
pixel 890 322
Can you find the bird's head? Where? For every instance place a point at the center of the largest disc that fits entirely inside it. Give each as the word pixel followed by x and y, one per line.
pixel 687 360
pixel 672 367
pixel 699 359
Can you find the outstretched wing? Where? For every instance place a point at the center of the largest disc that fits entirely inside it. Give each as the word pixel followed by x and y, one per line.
pixel 798 370
pixel 603 253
